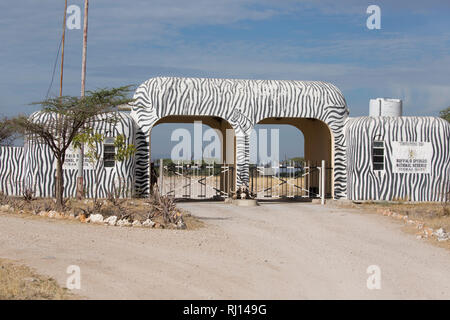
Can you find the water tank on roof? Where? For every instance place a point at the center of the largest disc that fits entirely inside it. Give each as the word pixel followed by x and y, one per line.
pixel 383 107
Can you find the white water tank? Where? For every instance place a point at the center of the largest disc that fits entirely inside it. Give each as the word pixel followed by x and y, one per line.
pixel 383 107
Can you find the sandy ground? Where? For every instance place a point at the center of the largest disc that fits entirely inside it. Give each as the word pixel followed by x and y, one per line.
pixel 274 251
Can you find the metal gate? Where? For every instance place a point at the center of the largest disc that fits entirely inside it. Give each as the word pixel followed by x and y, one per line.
pixel 195 180
pixel 289 180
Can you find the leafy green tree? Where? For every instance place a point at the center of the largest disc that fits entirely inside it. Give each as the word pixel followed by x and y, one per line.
pixel 92 142
pixel 124 151
pixel 298 159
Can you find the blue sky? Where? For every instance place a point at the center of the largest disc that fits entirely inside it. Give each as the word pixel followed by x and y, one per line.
pixel 131 41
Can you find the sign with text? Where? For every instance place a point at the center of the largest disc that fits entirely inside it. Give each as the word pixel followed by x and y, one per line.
pixel 411 157
pixel 71 161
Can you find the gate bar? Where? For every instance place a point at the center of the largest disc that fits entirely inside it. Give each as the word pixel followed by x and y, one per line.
pixel 323 182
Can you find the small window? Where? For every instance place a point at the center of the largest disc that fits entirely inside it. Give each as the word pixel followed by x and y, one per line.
pixel 378 155
pixel 109 153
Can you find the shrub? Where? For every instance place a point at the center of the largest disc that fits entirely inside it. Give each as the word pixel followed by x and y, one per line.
pixel 165 207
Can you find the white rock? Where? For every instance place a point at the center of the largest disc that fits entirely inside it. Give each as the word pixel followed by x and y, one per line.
pixel 5 207
pixel 137 223
pixel 43 213
pixel 52 214
pixel 148 223
pixel 123 223
pixel 441 234
pixel 96 218
pixel 111 220
pixel 181 225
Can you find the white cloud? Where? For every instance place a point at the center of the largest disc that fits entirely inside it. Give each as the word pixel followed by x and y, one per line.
pixel 130 41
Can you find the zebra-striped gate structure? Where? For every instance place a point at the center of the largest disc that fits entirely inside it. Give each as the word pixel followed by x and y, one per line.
pixel 243 104
pixel 367 158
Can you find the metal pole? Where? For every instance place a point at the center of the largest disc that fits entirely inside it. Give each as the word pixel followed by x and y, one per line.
pixel 323 182
pixel 80 184
pixel 62 51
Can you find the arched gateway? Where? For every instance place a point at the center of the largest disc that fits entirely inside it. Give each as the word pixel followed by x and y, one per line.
pixel 243 104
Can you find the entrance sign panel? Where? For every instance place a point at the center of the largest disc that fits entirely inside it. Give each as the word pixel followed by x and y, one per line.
pixel 71 161
pixel 411 157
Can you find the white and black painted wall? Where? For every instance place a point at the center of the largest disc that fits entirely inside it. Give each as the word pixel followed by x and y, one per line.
pixel 11 170
pixel 33 166
pixel 391 158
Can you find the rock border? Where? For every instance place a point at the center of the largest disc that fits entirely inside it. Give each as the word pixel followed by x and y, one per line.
pixel 95 219
pixel 424 231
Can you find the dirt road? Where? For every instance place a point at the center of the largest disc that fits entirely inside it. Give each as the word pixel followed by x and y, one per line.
pixel 274 251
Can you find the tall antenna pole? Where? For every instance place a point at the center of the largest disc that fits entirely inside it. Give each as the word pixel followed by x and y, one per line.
pixel 59 122
pixel 83 63
pixel 80 184
pixel 62 51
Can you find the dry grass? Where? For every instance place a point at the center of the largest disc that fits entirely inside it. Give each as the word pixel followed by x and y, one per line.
pixel 18 282
pixel 192 223
pixel 433 214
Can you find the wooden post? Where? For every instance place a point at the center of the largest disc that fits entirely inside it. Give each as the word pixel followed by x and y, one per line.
pixel 80 183
pixel 62 50
pixel 161 175
pixel 58 122
pixel 83 62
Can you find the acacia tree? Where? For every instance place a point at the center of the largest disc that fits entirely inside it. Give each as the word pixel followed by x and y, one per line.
pixel 69 116
pixel 445 114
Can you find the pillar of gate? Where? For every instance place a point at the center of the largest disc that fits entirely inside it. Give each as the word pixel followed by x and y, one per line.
pixel 318 147
pixel 242 160
pixel 227 171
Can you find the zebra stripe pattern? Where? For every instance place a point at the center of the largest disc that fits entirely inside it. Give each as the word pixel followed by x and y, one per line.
pixel 40 167
pixel 243 103
pixel 11 170
pixel 366 184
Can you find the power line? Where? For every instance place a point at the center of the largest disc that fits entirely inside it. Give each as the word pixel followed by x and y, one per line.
pixel 54 69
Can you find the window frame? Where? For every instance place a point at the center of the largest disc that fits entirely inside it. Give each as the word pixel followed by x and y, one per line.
pixel 376 164
pixel 109 162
